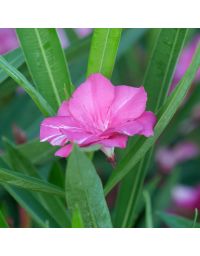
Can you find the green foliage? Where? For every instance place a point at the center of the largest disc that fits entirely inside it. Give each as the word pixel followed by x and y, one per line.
pixel 84 191
pixel 3 223
pixel 103 51
pixel 37 181
pixel 158 77
pixel 138 150
pixel 45 59
pixel 175 221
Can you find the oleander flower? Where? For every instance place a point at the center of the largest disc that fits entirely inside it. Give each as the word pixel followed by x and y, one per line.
pixel 168 158
pixel 8 40
pixel 184 62
pixel 185 197
pixel 99 113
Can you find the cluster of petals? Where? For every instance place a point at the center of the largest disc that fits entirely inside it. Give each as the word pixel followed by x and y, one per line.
pixel 99 113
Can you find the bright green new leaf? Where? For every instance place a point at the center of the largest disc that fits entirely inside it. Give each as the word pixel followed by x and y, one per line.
pixel 103 51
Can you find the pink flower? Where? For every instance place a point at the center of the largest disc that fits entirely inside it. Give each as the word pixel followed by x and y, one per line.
pixel 99 113
pixel 186 197
pixel 82 32
pixel 63 38
pixel 169 158
pixel 184 62
pixel 8 40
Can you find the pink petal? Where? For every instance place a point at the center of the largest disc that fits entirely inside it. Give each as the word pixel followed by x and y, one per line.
pixel 51 129
pixel 117 140
pixel 129 104
pixel 143 125
pixel 148 121
pixel 64 109
pixel 90 103
pixel 64 151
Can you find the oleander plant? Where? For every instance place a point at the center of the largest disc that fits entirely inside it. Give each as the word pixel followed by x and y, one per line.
pixel 99 128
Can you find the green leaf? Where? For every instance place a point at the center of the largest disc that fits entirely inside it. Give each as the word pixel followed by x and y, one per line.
pixel 158 77
pixel 15 58
pixel 84 191
pixel 37 152
pixel 3 222
pixel 148 214
pixel 53 205
pixel 195 218
pixel 129 37
pixel 46 62
pixel 175 221
pixel 32 184
pixel 105 42
pixel 25 84
pixel 71 35
pixel 137 151
pixel 32 206
pixel 77 220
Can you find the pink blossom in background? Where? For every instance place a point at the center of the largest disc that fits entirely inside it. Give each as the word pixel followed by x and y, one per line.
pixel 82 32
pixel 63 38
pixel 8 40
pixel 186 197
pixel 169 158
pixel 99 113
pixel 184 62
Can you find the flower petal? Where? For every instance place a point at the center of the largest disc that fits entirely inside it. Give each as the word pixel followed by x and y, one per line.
pixel 64 151
pixel 129 104
pixel 90 103
pixel 143 125
pixel 64 109
pixel 117 140
pixel 51 129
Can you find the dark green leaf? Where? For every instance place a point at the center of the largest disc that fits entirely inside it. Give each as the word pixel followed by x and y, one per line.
pixel 24 83
pixel 53 205
pixel 47 64
pixel 32 184
pixel 158 77
pixel 3 223
pixel 175 221
pixel 84 191
pixel 137 151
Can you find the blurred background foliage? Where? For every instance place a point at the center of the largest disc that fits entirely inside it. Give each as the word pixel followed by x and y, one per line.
pixel 172 185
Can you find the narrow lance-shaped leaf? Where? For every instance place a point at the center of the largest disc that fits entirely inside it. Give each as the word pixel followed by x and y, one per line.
pixel 55 207
pixel 42 104
pixel 167 48
pixel 84 191
pixel 103 51
pixel 3 222
pixel 47 64
pixel 15 58
pixel 148 207
pixel 32 206
pixel 137 151
pixel 29 183
pixel 175 221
